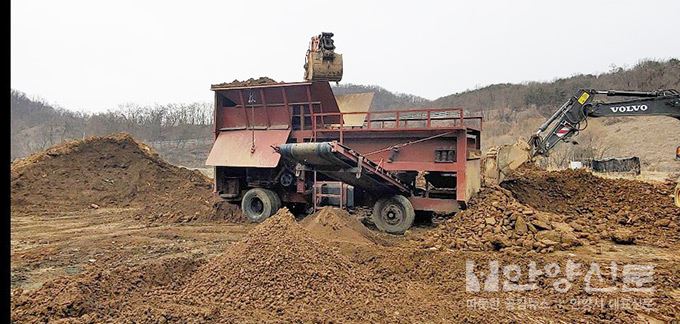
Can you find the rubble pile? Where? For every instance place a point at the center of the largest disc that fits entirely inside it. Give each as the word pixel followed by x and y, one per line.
pixel 495 220
pixel 601 206
pixel 114 171
pixel 546 211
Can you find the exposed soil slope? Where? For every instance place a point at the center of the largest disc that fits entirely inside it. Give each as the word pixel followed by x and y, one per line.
pixel 114 171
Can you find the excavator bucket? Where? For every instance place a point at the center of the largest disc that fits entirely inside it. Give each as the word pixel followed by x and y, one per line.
pixel 499 161
pixel 319 68
pixel 322 63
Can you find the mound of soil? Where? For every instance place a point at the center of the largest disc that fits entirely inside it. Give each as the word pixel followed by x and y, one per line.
pixel 99 294
pixel 495 220
pixel 246 83
pixel 114 171
pixel 598 205
pixel 335 224
pixel 279 269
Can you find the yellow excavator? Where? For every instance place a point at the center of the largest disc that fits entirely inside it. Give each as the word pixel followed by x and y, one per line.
pixel 571 118
pixel 322 63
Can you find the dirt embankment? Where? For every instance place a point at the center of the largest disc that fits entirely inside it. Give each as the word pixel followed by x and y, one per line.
pixel 114 171
pixel 280 269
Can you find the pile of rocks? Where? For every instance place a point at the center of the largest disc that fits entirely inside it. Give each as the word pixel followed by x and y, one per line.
pixel 495 220
pixel 602 207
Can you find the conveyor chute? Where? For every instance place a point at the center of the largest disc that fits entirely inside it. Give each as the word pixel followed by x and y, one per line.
pixel 343 164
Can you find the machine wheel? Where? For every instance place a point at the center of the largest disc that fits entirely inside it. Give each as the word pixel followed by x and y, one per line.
pixel 393 215
pixel 258 204
pixel 677 194
pixel 276 201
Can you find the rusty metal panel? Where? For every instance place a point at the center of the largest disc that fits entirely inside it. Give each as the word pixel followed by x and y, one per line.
pixel 232 117
pixel 444 206
pixel 416 157
pixel 279 117
pixel 322 92
pixel 233 148
pixel 257 117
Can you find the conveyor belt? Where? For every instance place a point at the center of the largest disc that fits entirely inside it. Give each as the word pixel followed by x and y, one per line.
pixel 343 164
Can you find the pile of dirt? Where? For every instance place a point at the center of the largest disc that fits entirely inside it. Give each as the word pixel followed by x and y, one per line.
pixel 334 224
pixel 495 220
pixel 99 294
pixel 246 83
pixel 601 206
pixel 114 171
pixel 280 270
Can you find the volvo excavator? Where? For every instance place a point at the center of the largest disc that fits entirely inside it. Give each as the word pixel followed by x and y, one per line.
pixel 571 118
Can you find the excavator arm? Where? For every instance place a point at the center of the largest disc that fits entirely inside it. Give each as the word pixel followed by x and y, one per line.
pixel 572 116
pixel 566 122
pixel 570 119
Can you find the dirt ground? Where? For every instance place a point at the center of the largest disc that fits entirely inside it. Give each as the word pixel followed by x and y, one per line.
pixel 532 250
pixel 66 267
pixel 48 245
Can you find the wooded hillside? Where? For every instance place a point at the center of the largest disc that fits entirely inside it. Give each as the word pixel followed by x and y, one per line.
pixel 182 132
pixel 546 96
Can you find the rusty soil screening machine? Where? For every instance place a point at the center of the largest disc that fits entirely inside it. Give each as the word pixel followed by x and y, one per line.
pixel 290 144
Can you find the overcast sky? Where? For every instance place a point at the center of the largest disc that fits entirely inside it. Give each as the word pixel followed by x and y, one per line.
pixel 95 55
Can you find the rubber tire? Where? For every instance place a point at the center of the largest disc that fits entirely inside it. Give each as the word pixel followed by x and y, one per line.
pixel 276 201
pixel 267 205
pixel 406 209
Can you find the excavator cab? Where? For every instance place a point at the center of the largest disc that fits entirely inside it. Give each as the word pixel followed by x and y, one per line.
pixel 322 63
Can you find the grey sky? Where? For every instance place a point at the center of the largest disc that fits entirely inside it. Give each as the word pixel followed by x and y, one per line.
pixel 94 55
